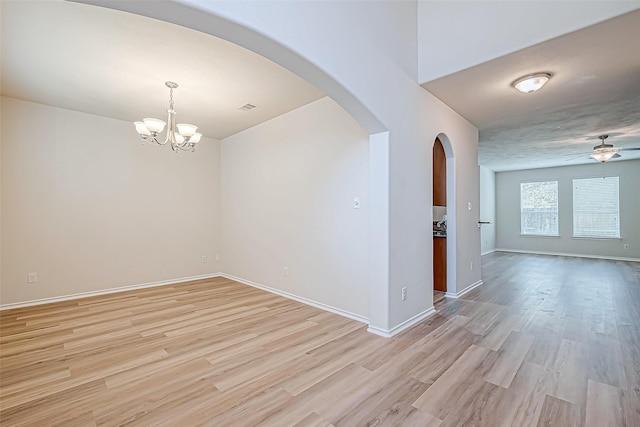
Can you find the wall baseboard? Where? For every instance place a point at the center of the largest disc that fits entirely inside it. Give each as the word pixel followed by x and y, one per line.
pixel 388 333
pixel 612 258
pixel 465 290
pixel 106 291
pixel 488 252
pixel 303 300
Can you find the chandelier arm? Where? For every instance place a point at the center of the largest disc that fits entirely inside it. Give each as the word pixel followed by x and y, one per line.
pixel 150 142
pixel 170 126
pixel 185 146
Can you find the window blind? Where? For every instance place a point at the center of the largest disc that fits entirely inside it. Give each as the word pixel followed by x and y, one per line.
pixel 596 207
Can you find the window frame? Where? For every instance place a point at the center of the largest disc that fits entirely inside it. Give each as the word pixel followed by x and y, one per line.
pixel 534 181
pixel 573 210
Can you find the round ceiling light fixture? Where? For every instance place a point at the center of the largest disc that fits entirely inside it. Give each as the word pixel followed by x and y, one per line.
pixel 531 82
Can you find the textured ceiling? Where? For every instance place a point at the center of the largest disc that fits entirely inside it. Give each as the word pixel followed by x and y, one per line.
pixel 595 90
pixel 114 64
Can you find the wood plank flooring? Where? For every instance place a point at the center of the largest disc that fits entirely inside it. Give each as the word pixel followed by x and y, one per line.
pixel 546 341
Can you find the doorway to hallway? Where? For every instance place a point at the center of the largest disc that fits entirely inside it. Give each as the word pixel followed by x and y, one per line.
pixel 439 221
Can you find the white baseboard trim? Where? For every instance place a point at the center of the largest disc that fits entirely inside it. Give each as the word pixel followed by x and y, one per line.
pixel 470 288
pixel 612 258
pixel 464 291
pixel 303 300
pixel 488 252
pixel 388 333
pixel 106 291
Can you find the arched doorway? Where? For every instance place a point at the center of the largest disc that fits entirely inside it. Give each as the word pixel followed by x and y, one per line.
pixel 439 173
pixel 213 23
pixel 444 219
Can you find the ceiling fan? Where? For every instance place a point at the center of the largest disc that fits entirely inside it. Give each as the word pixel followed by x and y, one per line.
pixel 604 152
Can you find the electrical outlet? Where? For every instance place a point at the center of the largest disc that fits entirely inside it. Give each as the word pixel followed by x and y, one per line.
pixel 204 258
pixel 285 271
pixel 404 293
pixel 217 257
pixel 32 277
pixel 626 246
pixel 356 203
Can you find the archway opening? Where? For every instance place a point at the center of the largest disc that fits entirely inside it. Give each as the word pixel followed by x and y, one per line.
pixel 444 219
pixel 215 22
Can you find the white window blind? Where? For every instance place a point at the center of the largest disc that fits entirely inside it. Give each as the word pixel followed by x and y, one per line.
pixel 539 208
pixel 596 207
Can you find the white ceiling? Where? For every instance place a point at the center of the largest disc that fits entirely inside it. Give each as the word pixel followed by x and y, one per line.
pixel 114 64
pixel 595 90
pixel 455 35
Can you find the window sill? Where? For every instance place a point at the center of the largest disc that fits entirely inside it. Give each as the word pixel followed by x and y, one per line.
pixel 540 235
pixel 595 238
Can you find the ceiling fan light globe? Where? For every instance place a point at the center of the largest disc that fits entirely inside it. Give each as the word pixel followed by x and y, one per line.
pixel 603 156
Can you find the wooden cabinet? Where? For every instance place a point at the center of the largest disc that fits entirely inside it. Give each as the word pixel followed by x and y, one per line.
pixel 439 175
pixel 440 264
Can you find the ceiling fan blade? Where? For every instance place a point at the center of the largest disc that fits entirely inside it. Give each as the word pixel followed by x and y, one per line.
pixel 629 149
pixel 578 156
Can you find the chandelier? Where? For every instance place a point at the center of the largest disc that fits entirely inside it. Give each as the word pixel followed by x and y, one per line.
pixel 184 139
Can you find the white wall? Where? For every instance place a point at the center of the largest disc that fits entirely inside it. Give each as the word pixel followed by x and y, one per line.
pixel 508 211
pixel 371 54
pixel 287 201
pixel 487 210
pixel 87 207
pixel 454 35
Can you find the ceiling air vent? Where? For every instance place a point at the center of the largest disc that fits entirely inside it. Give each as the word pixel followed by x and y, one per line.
pixel 247 107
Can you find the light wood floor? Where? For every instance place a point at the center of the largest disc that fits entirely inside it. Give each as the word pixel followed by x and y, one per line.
pixel 546 341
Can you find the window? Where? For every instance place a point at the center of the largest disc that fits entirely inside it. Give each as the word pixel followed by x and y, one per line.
pixel 539 208
pixel 596 208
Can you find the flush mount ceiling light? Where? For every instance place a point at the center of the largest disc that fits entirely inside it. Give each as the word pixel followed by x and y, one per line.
pixel 185 138
pixel 531 82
